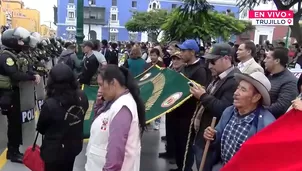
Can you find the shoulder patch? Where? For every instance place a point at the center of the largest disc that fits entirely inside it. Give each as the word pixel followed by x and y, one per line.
pixel 10 62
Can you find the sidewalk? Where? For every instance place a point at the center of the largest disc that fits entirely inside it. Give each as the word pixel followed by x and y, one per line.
pixel 151 146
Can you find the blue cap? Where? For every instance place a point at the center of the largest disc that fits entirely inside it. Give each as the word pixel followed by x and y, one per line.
pixel 190 44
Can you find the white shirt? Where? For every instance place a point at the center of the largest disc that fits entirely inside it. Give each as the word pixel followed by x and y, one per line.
pixel 241 65
pixel 100 57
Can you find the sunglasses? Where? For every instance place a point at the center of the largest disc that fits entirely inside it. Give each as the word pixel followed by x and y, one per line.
pixel 211 61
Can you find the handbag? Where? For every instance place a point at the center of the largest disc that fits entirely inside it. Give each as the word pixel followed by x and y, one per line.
pixel 32 158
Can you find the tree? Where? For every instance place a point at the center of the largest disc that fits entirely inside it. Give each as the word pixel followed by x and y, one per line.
pixel 209 25
pixel 197 19
pixel 296 29
pixel 149 22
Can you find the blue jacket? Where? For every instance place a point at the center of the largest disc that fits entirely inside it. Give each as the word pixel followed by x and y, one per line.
pixel 263 119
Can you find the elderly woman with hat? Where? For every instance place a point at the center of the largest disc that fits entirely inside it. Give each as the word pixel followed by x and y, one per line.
pixel 177 63
pixel 240 121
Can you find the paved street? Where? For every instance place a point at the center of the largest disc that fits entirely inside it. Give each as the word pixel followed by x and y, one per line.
pixel 151 146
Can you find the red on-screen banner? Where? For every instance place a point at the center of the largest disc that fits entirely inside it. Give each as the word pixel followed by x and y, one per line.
pixel 271 14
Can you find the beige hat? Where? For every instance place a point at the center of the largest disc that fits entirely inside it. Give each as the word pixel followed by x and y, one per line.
pixel 260 82
pixel 177 54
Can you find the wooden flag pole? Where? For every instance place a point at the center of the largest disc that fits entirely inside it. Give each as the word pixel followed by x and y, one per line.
pixel 206 148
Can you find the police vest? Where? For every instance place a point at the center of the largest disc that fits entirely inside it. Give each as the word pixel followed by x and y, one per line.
pixel 22 64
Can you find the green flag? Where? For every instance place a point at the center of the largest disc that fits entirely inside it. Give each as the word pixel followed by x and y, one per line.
pixel 148 75
pixel 91 92
pixel 162 90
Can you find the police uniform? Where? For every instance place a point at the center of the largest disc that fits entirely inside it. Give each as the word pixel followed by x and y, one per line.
pixel 11 75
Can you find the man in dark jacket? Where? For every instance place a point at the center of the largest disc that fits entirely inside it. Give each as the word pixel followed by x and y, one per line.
pixel 198 72
pixel 217 96
pixel 68 56
pixel 284 83
pixel 90 65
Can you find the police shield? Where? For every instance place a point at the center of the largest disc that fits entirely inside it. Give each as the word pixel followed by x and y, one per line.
pixel 40 93
pixel 49 64
pixel 54 61
pixel 27 100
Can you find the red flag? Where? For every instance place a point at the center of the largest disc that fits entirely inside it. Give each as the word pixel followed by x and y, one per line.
pixel 278 147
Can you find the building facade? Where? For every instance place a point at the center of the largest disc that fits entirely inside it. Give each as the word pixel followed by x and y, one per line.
pixel 107 19
pixel 47 32
pixel 18 16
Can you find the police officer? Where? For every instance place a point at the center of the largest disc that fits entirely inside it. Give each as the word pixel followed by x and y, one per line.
pixel 13 41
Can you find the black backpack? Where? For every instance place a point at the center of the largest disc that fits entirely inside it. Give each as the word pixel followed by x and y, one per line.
pixel 66 59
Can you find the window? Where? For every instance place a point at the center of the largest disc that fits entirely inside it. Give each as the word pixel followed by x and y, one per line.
pixel 70 14
pixel 92 2
pixel 154 5
pixel 262 39
pixel 174 6
pixel 113 17
pixel 114 3
pixel 113 37
pixel 93 15
pixel 134 4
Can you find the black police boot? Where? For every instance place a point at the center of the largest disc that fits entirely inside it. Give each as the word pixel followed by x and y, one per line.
pixel 14 155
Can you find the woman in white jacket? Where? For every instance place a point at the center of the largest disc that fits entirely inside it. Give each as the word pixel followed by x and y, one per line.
pixel 115 135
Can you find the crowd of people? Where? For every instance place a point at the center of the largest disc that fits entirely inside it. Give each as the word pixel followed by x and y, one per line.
pixel 245 86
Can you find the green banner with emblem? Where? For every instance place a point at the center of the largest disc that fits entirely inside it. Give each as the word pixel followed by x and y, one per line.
pixel 162 90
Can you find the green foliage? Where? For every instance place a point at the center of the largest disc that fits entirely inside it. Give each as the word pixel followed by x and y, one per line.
pixel 147 21
pixel 212 24
pixel 194 9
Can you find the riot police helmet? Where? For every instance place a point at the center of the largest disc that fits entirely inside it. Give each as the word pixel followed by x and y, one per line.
pixel 58 44
pixel 59 39
pixel 35 38
pixel 33 42
pixel 44 42
pixel 48 41
pixel 52 40
pixel 16 38
pixel 40 45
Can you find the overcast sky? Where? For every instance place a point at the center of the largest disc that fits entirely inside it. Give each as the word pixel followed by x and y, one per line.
pixel 45 7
